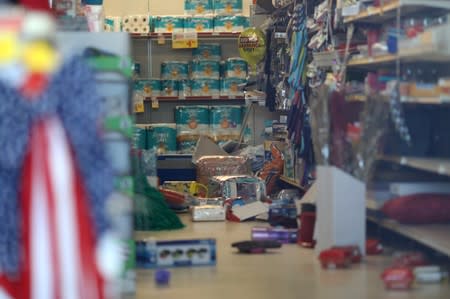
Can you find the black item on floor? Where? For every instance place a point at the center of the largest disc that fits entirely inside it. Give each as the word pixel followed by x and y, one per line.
pixel 256 246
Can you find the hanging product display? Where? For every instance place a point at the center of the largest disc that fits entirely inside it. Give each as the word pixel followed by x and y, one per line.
pixel 252 46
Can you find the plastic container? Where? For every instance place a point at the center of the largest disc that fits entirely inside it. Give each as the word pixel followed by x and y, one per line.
pixel 205 69
pixel 211 51
pixel 174 70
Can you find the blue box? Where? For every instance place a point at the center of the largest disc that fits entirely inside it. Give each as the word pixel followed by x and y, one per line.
pixel 177 253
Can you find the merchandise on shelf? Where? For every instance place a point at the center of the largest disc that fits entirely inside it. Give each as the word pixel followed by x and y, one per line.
pixel 208 51
pixel 112 24
pixel 192 122
pixel 169 24
pixel 230 86
pixel 206 87
pixel 209 166
pixel 139 140
pixel 184 88
pixel 174 70
pixel 249 188
pixel 225 122
pixel 199 24
pixel 162 137
pixel 198 7
pixel 227 7
pixel 230 23
pixel 148 88
pixel 203 69
pixel 169 88
pixel 208 213
pixel 136 24
pixel 236 67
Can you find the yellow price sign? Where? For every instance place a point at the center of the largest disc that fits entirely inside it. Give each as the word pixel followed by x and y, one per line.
pixel 186 40
pixel 138 103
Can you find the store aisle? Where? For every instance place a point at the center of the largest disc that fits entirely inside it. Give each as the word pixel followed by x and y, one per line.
pixel 291 272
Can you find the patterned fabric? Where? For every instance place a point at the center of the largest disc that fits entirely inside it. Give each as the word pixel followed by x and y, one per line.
pixel 71 96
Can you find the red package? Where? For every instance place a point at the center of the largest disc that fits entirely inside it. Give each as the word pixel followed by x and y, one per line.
pixel 373 247
pixel 398 278
pixel 352 251
pixel 335 258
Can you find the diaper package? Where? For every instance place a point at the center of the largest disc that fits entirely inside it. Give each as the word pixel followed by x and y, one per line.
pixel 198 7
pixel 204 69
pixel 230 86
pixel 148 88
pixel 206 87
pixel 168 24
pixel 228 7
pixel 230 23
pixel 236 67
pixel 199 24
pixel 174 70
pixel 207 51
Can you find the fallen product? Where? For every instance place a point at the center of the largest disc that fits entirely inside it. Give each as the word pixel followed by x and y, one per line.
pixel 256 246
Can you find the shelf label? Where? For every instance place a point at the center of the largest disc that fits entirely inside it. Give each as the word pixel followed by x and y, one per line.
pixel 138 103
pixel 155 103
pixel 186 40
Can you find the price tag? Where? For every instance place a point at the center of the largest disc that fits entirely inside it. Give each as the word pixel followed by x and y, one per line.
pixel 155 103
pixel 161 39
pixel 186 40
pixel 138 103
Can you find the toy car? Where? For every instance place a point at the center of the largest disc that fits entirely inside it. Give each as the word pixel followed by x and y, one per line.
pixel 352 251
pixel 335 258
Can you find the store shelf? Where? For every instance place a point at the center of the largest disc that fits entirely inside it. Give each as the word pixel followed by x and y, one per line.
pixel 292 182
pixel 434 165
pixel 191 98
pixel 388 11
pixel 201 35
pixel 406 100
pixel 405 56
pixel 436 236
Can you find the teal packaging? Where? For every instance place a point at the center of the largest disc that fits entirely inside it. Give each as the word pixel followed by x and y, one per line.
pixel 168 24
pixel 236 68
pixel 199 24
pixel 169 88
pixel 230 86
pixel 211 51
pixel 184 88
pixel 225 122
pixel 192 122
pixel 230 23
pixel 202 69
pixel 228 7
pixel 198 7
pixel 148 88
pixel 162 138
pixel 139 140
pixel 174 70
pixel 205 87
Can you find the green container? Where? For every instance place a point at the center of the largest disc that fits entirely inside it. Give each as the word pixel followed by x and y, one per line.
pixel 162 137
pixel 140 138
pixel 226 122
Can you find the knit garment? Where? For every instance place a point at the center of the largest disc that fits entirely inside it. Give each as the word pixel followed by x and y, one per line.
pixel 71 96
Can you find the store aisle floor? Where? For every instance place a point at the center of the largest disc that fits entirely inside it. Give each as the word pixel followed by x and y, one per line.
pixel 291 272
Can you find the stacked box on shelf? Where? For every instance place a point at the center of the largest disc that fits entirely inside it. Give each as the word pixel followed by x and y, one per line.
pixel 148 87
pixel 198 7
pixel 228 7
pixel 234 74
pixel 225 122
pixel 191 123
pixel 168 24
pixel 230 23
pixel 199 24
pixel 162 138
pixel 136 24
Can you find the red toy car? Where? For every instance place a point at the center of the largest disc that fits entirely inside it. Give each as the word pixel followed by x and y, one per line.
pixel 373 247
pixel 352 251
pixel 398 278
pixel 335 258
